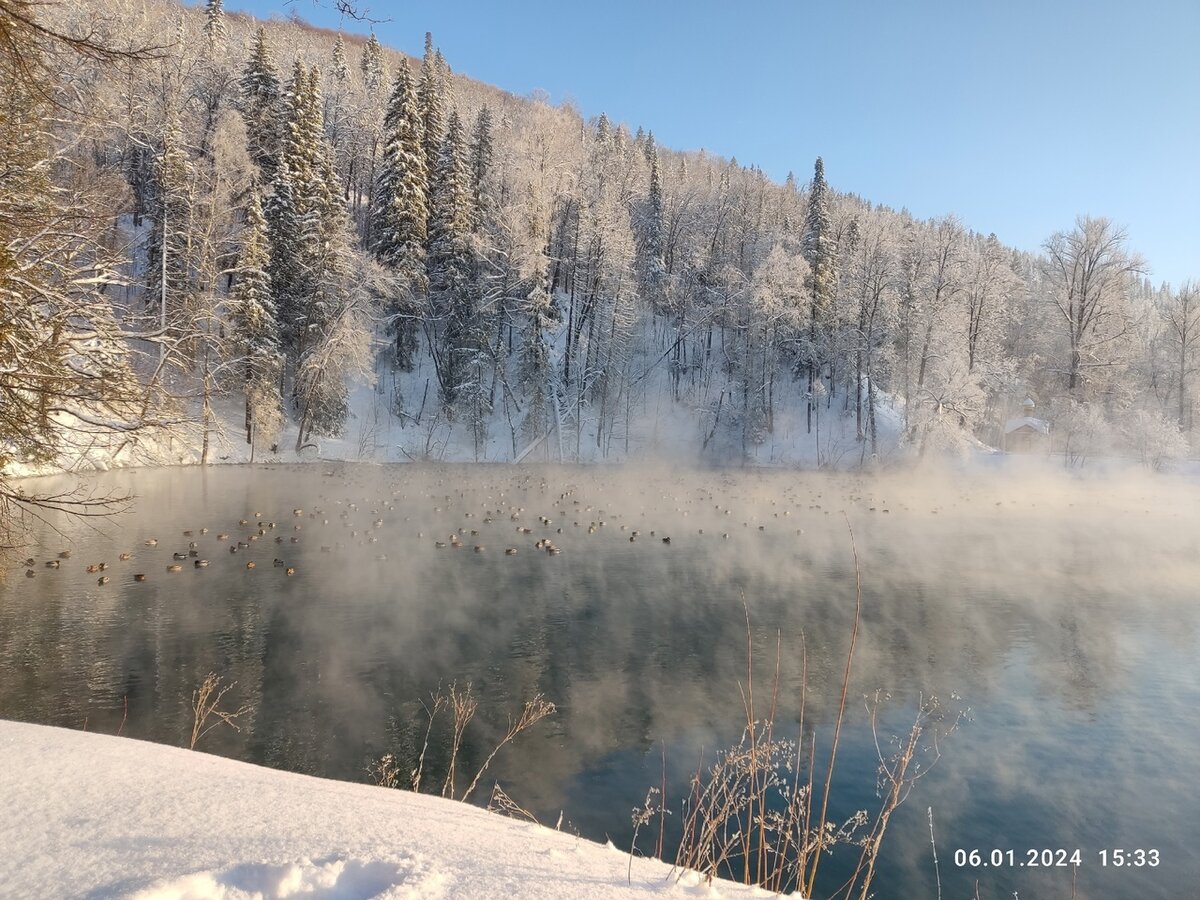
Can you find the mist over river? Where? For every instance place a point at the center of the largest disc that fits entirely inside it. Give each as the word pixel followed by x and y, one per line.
pixel 1058 615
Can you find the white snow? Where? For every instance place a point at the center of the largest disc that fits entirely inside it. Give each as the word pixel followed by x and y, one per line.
pixel 100 816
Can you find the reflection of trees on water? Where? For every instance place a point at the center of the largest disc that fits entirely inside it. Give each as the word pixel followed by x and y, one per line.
pixel 635 643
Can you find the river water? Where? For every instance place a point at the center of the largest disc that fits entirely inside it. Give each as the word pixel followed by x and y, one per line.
pixel 1059 616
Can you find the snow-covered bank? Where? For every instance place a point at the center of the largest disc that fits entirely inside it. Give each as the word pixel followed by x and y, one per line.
pixel 91 815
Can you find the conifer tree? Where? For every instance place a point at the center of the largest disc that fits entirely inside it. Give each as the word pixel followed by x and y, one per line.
pixel 819 246
pixel 304 157
pixel 254 328
pixel 341 68
pixel 372 64
pixel 650 237
pixel 260 107
pixel 214 24
pixel 399 213
pixel 286 265
pixel 481 163
pixel 449 260
pixel 431 102
pixel 820 251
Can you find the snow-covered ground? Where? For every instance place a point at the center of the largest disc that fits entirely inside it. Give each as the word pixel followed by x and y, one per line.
pixel 90 815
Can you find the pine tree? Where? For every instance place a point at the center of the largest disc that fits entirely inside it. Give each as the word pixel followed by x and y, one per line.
pixel 399 212
pixel 214 24
pixel 430 101
pixel 341 68
pixel 254 328
pixel 449 260
pixel 481 163
pixel 372 64
pixel 260 107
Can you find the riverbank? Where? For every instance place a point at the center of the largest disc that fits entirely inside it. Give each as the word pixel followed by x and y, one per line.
pixel 100 816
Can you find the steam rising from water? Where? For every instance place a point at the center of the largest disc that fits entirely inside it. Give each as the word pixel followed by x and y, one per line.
pixel 1051 604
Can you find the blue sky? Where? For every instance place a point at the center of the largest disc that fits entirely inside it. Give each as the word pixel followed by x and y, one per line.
pixel 1016 115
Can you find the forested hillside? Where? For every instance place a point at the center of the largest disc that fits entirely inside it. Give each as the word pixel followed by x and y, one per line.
pixel 245 237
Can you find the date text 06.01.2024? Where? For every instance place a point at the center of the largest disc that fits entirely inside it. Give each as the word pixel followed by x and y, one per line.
pixel 1046 858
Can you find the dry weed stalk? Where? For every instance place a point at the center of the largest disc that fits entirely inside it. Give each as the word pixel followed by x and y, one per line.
pixel 913 756
pixel 206 703
pixel 505 805
pixel 385 771
pixel 532 712
pixel 430 713
pixel 462 705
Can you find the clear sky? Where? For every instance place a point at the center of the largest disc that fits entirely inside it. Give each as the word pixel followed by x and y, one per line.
pixel 1017 115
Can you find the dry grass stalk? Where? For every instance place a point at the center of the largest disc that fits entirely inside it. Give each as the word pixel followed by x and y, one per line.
pixel 462 705
pixel 206 704
pixel 505 805
pixel 385 772
pixel 430 713
pixel 532 712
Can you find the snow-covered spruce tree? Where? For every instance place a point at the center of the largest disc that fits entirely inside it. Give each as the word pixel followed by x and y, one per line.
pixel 482 150
pixel 431 100
pixel 399 226
pixel 371 64
pixel 287 267
pixel 215 31
pixel 341 67
pixel 303 148
pixel 169 248
pixel 254 329
pixel 449 263
pixel 649 234
pixel 603 129
pixel 300 192
pixel 820 252
pixel 260 105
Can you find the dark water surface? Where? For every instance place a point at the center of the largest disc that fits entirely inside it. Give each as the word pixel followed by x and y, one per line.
pixel 1063 613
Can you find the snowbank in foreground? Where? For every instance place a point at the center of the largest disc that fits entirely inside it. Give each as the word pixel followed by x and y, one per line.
pixel 99 816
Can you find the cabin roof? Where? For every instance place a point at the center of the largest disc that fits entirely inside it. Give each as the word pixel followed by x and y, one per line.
pixel 1027 424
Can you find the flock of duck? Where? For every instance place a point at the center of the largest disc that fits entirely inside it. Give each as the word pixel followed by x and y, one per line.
pixel 495 506
pixel 178 557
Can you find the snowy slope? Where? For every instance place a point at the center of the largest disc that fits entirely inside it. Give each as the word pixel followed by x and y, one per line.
pixel 90 815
